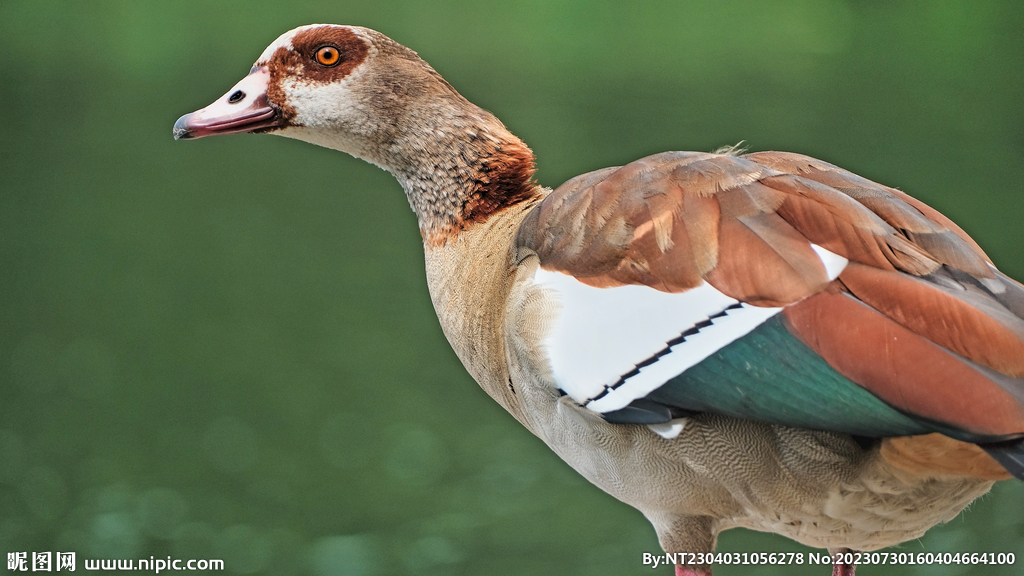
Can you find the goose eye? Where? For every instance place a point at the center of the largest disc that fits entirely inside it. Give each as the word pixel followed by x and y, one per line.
pixel 327 56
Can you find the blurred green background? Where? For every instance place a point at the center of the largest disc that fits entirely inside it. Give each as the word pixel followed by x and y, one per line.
pixel 225 348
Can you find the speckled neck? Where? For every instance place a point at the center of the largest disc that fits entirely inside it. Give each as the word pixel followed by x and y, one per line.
pixel 457 163
pixel 459 168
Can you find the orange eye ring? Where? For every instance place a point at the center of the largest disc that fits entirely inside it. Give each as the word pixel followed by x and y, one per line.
pixel 327 56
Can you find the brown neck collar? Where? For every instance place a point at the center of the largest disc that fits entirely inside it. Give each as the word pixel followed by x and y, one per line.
pixel 467 181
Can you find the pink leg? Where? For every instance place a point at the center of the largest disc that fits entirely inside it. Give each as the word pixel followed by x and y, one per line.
pixel 690 571
pixel 842 568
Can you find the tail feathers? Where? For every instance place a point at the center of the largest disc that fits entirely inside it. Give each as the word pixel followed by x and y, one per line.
pixel 930 454
pixel 1009 454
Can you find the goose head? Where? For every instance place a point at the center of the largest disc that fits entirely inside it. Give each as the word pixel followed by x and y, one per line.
pixel 344 87
pixel 355 90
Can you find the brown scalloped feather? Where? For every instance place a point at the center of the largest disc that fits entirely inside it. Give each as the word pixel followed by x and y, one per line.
pixel 630 225
pixel 931 454
pixel 902 368
pixel 967 322
pixel 674 219
pixel 935 234
pixel 765 262
pixel 936 332
pixel 840 224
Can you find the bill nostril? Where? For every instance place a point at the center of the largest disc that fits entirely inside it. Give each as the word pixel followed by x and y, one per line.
pixel 236 97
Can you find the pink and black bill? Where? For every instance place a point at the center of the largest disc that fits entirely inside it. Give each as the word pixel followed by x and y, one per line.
pixel 245 108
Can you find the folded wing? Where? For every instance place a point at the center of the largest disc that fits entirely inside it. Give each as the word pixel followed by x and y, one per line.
pixel 781 288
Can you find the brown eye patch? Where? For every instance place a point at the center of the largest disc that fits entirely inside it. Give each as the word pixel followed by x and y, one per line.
pixel 302 61
pixel 327 56
pixel 320 54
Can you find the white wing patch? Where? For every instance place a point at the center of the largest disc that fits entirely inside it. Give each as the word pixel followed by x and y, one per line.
pixel 602 335
pixel 834 263
pixel 670 429
pixel 718 331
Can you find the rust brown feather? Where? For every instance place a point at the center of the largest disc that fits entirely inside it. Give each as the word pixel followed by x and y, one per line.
pixel 916 318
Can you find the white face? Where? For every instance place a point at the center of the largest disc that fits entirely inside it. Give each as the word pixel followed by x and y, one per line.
pixel 314 70
pixel 305 79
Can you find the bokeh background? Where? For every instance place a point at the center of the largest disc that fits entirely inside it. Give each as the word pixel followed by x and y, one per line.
pixel 225 348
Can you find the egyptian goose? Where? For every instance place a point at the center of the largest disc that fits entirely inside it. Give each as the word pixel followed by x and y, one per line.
pixel 760 340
